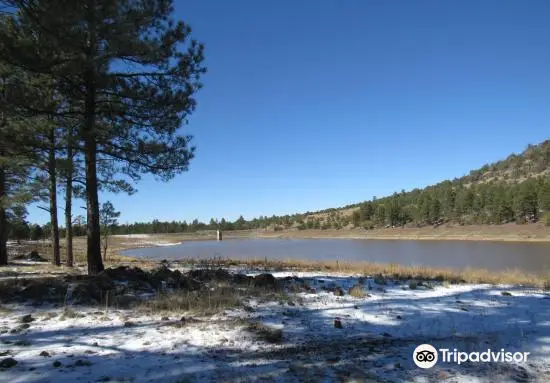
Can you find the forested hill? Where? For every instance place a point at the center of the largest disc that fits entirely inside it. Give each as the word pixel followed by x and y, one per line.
pixel 516 189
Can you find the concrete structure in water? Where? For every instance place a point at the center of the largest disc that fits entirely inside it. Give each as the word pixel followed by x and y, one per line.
pixel 219 235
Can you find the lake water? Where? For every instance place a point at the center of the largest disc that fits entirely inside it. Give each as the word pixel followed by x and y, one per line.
pixel 529 257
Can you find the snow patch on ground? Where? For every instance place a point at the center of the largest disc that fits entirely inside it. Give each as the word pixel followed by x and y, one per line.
pixel 150 243
pixel 378 335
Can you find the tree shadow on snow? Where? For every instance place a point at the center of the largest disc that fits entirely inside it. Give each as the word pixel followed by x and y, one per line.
pixel 378 335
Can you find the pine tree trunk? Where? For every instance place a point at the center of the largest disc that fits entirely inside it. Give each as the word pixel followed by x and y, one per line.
pixel 3 221
pixel 95 263
pixel 3 192
pixel 68 204
pixel 53 199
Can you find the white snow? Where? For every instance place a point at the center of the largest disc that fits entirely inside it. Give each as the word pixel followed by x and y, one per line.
pixel 376 342
pixel 150 243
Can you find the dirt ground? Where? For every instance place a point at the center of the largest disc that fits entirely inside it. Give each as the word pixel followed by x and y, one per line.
pixel 508 232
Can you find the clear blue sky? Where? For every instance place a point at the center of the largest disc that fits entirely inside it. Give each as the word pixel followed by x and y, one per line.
pixel 316 104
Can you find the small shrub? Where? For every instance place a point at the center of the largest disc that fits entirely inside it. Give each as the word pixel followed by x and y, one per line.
pixel 546 219
pixel 202 301
pixel 521 221
pixel 266 333
pixel 380 280
pixel 70 313
pixel 413 285
pixel 368 225
pixel 357 291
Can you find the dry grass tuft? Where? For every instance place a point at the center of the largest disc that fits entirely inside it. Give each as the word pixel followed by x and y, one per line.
pixel 266 333
pixel 204 301
pixel 357 291
pixel 70 313
pixel 383 272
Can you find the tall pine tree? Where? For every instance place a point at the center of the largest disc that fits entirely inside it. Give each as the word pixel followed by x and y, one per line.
pixel 129 72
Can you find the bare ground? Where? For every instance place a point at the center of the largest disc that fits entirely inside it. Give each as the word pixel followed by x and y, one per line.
pixel 508 232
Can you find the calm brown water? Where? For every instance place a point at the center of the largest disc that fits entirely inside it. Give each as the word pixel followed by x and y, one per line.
pixel 529 257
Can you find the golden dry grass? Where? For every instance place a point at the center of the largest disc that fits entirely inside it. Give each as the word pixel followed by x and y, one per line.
pixel 204 301
pixel 392 271
pixel 357 291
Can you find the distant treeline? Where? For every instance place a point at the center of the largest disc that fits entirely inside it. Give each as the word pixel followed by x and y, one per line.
pixel 516 189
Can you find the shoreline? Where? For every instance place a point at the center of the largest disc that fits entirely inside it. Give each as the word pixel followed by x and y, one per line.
pixel 533 233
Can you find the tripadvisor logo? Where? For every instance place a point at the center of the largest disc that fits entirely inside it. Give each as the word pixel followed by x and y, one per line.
pixel 426 356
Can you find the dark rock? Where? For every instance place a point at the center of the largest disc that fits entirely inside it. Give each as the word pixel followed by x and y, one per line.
pixel 241 279
pixel 386 335
pixel 24 326
pixel 82 363
pixel 165 318
pixel 129 324
pixel 90 289
pixel 338 323
pixel 26 318
pixel 399 317
pixel 336 290
pixel 207 275
pixel 4 353
pixel 126 273
pixel 506 293
pixel 8 363
pixel 265 280
pixel 41 290
pixel 35 257
pixel 45 354
pixel 57 364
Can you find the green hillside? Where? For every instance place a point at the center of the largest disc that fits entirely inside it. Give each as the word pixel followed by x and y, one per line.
pixel 514 189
